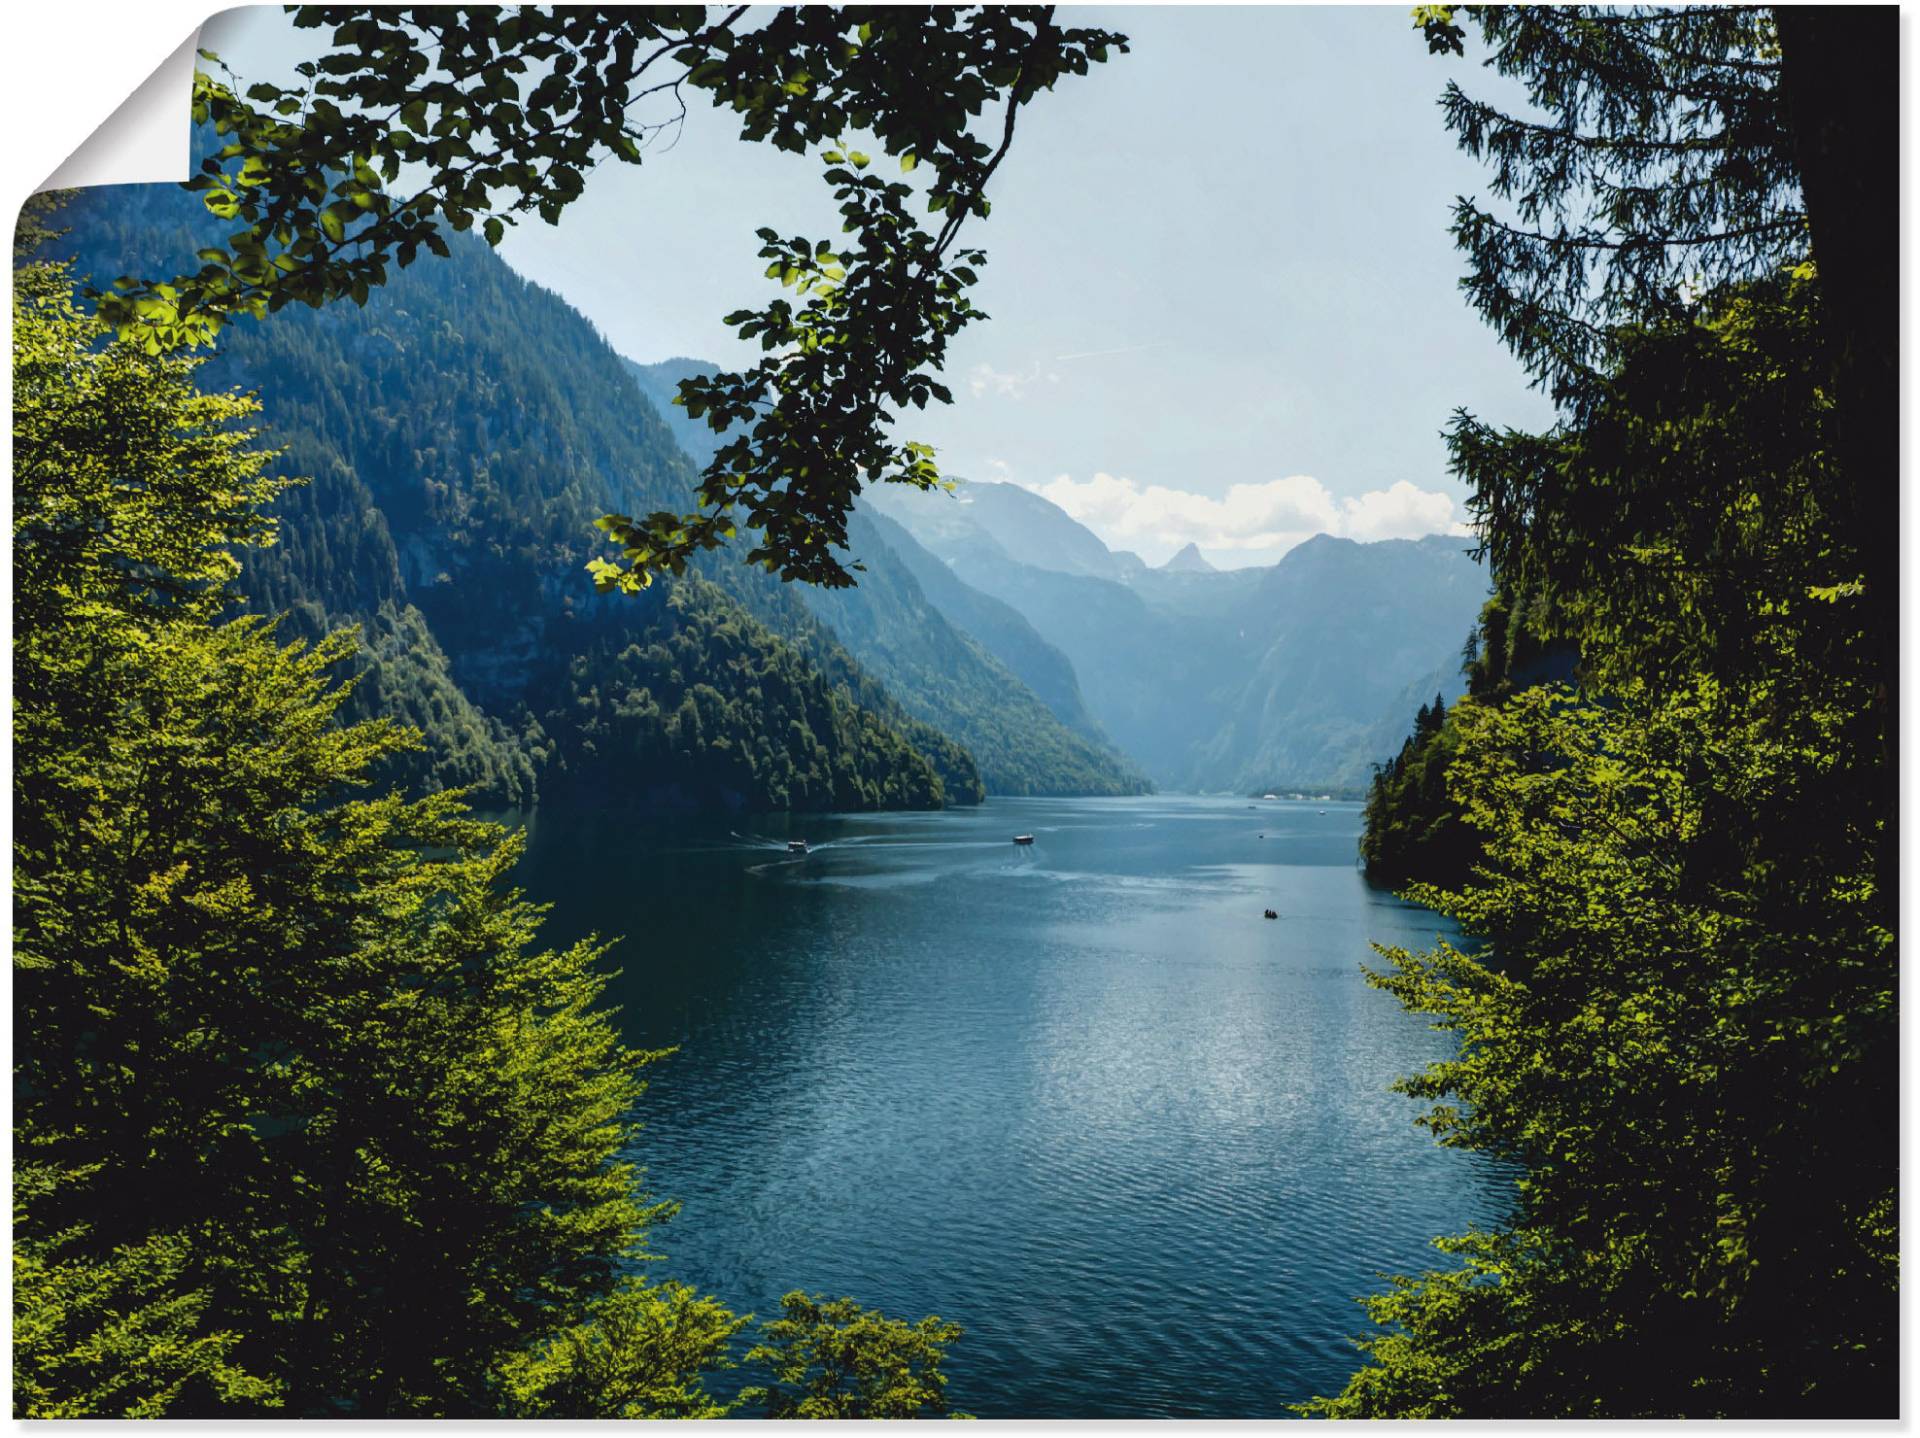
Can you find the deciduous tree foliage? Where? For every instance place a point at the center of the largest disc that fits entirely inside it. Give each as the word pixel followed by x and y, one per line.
pixel 831 1358
pixel 1681 1025
pixel 307 1123
pixel 420 119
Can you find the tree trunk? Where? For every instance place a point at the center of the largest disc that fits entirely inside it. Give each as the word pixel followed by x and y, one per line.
pixel 1840 71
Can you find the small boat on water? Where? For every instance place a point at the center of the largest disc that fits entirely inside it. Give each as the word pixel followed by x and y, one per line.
pixel 796 846
pixel 1269 796
pixel 1023 838
pixel 1271 915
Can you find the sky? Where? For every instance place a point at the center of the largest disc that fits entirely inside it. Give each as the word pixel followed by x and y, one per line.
pixel 1225 305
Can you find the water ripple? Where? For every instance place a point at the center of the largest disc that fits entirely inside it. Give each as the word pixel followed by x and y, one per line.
pixel 1080 1097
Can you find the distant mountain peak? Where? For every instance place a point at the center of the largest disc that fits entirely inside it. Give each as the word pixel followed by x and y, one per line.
pixel 1190 561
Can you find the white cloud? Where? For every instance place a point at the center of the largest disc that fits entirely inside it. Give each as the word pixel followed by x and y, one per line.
pixel 1401 511
pixel 984 379
pixel 1255 523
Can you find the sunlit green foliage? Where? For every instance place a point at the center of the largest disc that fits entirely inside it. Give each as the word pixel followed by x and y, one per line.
pixel 831 1358
pixel 305 1123
pixel 103 1328
pixel 480 116
pixel 641 1355
pixel 1687 1043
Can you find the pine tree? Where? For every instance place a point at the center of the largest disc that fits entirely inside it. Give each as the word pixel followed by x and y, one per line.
pixel 1680 1024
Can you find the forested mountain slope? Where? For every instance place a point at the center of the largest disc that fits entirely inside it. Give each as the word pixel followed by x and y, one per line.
pixel 998 627
pixel 462 431
pixel 964 663
pixel 1416 831
pixel 948 679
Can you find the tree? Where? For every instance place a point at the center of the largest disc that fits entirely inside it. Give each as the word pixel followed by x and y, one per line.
pixel 1684 151
pixel 1680 1023
pixel 1685 1047
pixel 835 1359
pixel 305 1123
pixel 104 1328
pixel 501 113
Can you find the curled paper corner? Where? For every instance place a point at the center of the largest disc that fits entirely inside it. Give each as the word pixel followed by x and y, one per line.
pixel 148 139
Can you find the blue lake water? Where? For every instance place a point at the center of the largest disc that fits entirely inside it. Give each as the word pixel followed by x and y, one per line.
pixel 1080 1098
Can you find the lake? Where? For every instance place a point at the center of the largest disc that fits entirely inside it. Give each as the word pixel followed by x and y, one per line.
pixel 1080 1097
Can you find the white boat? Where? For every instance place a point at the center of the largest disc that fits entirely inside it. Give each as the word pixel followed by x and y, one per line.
pixel 1023 838
pixel 796 846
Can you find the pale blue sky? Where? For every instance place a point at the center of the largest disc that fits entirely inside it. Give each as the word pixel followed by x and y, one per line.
pixel 1224 299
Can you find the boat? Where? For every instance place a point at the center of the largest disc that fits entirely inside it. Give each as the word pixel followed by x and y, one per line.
pixel 796 846
pixel 1023 838
pixel 1271 915
pixel 1269 796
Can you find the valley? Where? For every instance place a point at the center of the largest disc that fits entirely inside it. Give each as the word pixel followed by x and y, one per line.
pixel 461 432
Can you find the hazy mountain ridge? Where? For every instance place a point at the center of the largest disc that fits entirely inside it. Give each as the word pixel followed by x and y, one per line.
pixel 998 626
pixel 1294 673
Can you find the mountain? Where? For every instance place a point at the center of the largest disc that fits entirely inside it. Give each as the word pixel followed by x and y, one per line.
pixel 1291 674
pixel 1027 528
pixel 1299 674
pixel 462 430
pixel 660 383
pixel 998 627
pixel 947 678
pixel 964 663
pixel 1347 629
pixel 1189 561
